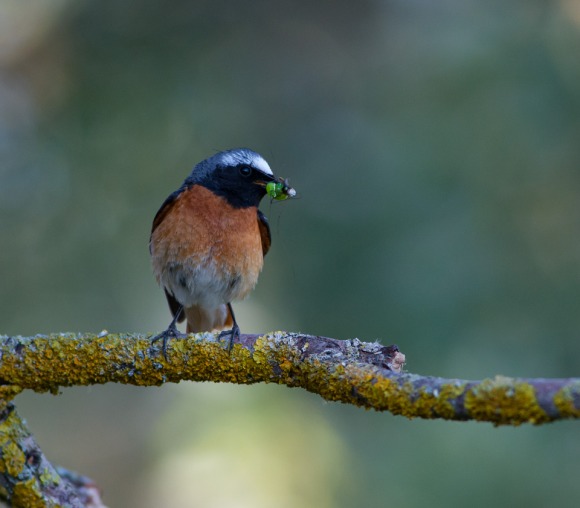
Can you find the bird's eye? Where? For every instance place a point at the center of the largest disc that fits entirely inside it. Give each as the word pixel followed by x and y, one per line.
pixel 245 171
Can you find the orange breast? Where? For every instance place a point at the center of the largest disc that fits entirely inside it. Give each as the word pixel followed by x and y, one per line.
pixel 205 251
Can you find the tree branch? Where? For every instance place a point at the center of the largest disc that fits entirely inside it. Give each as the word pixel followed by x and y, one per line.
pixel 28 479
pixel 350 371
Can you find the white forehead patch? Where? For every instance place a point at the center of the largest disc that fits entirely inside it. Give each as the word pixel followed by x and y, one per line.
pixel 262 165
pixel 248 157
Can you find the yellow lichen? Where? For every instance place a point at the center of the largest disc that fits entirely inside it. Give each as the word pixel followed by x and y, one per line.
pixel 448 391
pixel 48 477
pixel 27 494
pixel 504 401
pixel 386 394
pixel 13 458
pixel 7 393
pixel 564 401
pixel 274 357
pixel 260 355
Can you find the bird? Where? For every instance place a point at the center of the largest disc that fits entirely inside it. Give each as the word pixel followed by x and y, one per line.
pixel 208 241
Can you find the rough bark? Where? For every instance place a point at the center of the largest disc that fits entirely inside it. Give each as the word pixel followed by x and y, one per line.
pixel 353 372
pixel 28 479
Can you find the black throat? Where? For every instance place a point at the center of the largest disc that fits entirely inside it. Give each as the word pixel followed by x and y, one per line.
pixel 226 182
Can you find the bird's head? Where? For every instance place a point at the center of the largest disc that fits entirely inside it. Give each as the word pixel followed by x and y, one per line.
pixel 241 176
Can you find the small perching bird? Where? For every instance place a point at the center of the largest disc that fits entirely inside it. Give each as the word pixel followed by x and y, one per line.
pixel 209 239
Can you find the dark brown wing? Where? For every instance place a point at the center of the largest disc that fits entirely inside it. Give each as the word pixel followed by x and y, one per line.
pixel 165 207
pixel 264 232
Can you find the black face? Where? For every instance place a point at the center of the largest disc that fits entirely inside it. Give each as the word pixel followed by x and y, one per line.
pixel 239 176
pixel 241 185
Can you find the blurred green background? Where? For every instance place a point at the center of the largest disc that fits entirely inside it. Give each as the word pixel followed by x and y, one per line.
pixel 436 148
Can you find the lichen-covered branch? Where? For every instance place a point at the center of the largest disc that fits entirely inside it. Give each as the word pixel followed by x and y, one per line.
pixel 28 479
pixel 351 371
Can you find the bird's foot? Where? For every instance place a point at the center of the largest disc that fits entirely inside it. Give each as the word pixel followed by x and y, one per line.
pixel 234 335
pixel 171 333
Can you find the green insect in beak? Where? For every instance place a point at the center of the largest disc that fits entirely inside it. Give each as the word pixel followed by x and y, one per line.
pixel 280 190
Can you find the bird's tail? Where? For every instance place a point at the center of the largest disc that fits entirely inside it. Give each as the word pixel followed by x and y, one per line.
pixel 206 320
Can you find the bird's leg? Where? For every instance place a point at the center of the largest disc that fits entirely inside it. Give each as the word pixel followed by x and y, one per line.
pixel 234 333
pixel 171 333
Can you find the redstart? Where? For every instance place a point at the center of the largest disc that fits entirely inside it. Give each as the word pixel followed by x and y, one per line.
pixel 208 240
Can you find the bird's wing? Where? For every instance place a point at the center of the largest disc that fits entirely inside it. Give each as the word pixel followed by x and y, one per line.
pixel 165 207
pixel 264 228
pixel 174 305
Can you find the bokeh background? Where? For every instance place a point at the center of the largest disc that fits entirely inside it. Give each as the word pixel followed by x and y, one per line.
pixel 436 149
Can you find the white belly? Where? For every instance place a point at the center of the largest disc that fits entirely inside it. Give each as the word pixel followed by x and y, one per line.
pixel 202 285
